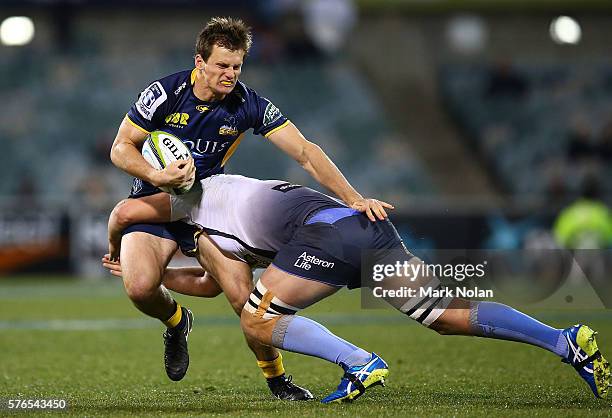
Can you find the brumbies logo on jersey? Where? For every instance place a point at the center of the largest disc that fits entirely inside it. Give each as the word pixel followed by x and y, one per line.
pixel 229 128
pixel 150 99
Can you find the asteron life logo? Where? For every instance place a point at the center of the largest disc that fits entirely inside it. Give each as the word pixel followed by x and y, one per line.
pixel 305 261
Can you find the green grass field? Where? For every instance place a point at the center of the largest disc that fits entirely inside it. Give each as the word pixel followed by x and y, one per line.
pixel 85 343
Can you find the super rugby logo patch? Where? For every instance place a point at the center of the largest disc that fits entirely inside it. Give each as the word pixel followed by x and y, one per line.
pixel 271 115
pixel 136 185
pixel 150 99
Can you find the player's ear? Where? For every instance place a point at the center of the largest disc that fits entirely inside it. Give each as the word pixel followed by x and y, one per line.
pixel 199 62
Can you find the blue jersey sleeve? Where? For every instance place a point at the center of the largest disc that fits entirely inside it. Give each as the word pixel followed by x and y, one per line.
pixel 265 117
pixel 151 107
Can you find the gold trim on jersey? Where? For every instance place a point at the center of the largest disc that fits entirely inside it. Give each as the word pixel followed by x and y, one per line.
pixel 136 126
pixel 232 149
pixel 278 128
pixel 194 74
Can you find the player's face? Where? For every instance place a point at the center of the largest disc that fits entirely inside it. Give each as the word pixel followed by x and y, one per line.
pixel 222 70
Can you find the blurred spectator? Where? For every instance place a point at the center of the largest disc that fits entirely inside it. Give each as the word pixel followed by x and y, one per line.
pixel 506 81
pixel 269 46
pixel 100 148
pixel 586 223
pixel 93 191
pixel 27 196
pixel 554 172
pixel 605 143
pixel 298 45
pixel 581 145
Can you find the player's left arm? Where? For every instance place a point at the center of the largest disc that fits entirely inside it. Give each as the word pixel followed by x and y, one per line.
pixel 148 209
pixel 190 281
pixel 314 160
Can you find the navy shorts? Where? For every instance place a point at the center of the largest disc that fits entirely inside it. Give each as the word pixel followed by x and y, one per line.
pixel 330 245
pixel 180 232
pixel 141 188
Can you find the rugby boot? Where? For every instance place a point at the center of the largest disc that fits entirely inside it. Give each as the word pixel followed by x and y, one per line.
pixel 587 359
pixel 176 355
pixel 357 379
pixel 283 388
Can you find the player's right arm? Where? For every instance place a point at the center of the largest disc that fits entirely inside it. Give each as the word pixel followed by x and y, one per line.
pixel 125 154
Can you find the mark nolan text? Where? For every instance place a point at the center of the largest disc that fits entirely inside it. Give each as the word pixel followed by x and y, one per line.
pixel 428 292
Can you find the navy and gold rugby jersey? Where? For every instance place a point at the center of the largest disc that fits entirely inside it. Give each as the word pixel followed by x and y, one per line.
pixel 211 130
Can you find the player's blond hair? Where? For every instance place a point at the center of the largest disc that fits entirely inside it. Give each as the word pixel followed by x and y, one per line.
pixel 227 32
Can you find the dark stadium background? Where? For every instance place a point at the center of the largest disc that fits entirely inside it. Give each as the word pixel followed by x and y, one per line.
pixel 479 120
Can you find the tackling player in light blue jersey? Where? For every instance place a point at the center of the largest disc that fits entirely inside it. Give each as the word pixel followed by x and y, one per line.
pixel 312 245
pixel 209 109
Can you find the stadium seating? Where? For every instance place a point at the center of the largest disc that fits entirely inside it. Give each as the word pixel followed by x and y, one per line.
pixel 523 125
pixel 67 116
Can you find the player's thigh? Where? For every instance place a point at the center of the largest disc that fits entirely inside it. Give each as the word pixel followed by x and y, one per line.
pixel 144 257
pixel 293 290
pixel 233 276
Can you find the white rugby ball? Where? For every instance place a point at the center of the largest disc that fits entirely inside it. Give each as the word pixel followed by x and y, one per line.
pixel 161 149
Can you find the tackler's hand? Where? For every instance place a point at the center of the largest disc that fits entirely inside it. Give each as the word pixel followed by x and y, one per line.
pixel 373 208
pixel 114 250
pixel 113 266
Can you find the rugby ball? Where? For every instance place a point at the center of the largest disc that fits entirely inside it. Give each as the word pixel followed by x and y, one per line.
pixel 160 149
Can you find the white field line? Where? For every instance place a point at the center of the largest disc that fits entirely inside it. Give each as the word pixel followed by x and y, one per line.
pixel 149 323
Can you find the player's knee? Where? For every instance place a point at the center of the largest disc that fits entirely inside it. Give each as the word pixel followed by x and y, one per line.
pixel 262 312
pixel 247 322
pixel 238 298
pixel 140 290
pixel 252 325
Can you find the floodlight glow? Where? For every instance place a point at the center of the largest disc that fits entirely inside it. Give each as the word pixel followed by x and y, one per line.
pixel 16 31
pixel 565 30
pixel 467 33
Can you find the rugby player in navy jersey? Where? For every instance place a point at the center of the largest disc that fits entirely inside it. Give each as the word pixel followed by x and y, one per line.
pixel 209 109
pixel 312 245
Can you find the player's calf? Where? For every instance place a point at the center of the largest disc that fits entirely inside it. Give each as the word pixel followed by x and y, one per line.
pixel 257 325
pixel 575 345
pixel 455 319
pixel 272 321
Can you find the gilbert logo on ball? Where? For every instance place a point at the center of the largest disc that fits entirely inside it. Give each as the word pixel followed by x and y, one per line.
pixel 161 149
